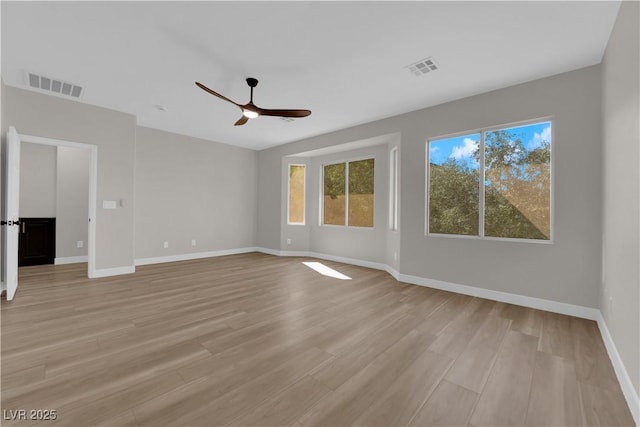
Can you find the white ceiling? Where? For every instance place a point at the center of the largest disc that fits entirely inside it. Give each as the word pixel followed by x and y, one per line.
pixel 343 60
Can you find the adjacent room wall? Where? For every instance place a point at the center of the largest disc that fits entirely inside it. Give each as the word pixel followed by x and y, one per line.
pixel 54 183
pixel 620 299
pixel 113 133
pixel 566 270
pixel 189 188
pixel 37 181
pixel 72 202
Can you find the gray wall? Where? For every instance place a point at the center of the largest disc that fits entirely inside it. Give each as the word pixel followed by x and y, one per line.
pixel 72 201
pixel 37 181
pixel 568 270
pixel 620 303
pixel 188 188
pixel 114 134
pixel 378 244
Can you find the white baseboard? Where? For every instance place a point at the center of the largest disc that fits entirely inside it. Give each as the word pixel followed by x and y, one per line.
pixel 196 255
pixel 269 251
pixel 352 261
pixel 114 271
pixel 71 260
pixel 532 302
pixel 393 272
pixel 538 303
pixel 525 301
pixel 629 391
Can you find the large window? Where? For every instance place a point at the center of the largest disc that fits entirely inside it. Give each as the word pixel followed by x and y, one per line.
pixel 296 194
pixel 348 193
pixel 493 183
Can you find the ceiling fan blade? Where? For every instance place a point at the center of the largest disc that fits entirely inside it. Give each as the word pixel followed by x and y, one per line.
pixel 250 110
pixel 214 93
pixel 283 113
pixel 242 120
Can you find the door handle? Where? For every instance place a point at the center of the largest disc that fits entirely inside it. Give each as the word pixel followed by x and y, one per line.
pixel 23 224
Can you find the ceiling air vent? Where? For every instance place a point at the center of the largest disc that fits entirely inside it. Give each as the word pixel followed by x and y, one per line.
pixel 53 85
pixel 422 67
pixel 287 119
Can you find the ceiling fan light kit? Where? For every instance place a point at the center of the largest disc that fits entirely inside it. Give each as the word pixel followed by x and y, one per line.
pixel 250 114
pixel 251 111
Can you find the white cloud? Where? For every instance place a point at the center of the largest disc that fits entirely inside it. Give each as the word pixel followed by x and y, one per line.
pixel 539 138
pixel 467 150
pixel 434 149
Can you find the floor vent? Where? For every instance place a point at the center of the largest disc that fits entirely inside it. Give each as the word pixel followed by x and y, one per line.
pixel 422 67
pixel 53 85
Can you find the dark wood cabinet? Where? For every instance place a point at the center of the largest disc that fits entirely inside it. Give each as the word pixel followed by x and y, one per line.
pixel 37 244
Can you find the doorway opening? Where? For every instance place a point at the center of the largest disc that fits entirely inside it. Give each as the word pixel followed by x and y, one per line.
pixel 12 221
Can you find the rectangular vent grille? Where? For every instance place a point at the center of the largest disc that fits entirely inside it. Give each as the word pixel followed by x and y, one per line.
pixel 53 85
pixel 425 66
pixel 287 119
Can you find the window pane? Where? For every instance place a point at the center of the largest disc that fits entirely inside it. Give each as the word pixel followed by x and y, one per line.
pixel 296 194
pixel 517 182
pixel 454 185
pixel 361 193
pixel 334 189
pixel 393 190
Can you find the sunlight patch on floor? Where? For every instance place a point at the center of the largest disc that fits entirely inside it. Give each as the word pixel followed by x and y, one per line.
pixel 326 271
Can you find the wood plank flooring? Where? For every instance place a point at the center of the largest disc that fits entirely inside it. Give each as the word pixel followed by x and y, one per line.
pixel 257 340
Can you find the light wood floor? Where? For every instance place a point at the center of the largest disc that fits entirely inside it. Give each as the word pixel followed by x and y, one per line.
pixel 257 340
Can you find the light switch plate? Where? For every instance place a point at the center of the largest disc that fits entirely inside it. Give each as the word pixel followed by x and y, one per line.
pixel 109 204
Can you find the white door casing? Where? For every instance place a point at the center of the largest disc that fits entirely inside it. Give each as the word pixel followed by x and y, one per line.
pixel 12 213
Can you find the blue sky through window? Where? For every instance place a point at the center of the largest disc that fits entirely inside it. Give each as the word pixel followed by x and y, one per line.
pixel 462 147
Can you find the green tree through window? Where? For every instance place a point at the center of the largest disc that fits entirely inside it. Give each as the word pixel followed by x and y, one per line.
pixel 355 188
pixel 516 181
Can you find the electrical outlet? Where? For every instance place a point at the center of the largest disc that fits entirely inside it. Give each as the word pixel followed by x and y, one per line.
pixel 395 256
pixel 79 244
pixel 165 245
pixel 193 242
pixel 289 241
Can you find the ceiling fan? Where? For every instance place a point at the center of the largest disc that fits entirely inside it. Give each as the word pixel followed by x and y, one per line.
pixel 250 110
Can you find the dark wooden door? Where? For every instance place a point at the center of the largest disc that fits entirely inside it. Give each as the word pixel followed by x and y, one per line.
pixel 37 243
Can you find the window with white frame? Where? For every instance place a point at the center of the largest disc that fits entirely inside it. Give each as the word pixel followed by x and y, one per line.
pixel 296 195
pixel 494 183
pixel 393 189
pixel 348 193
